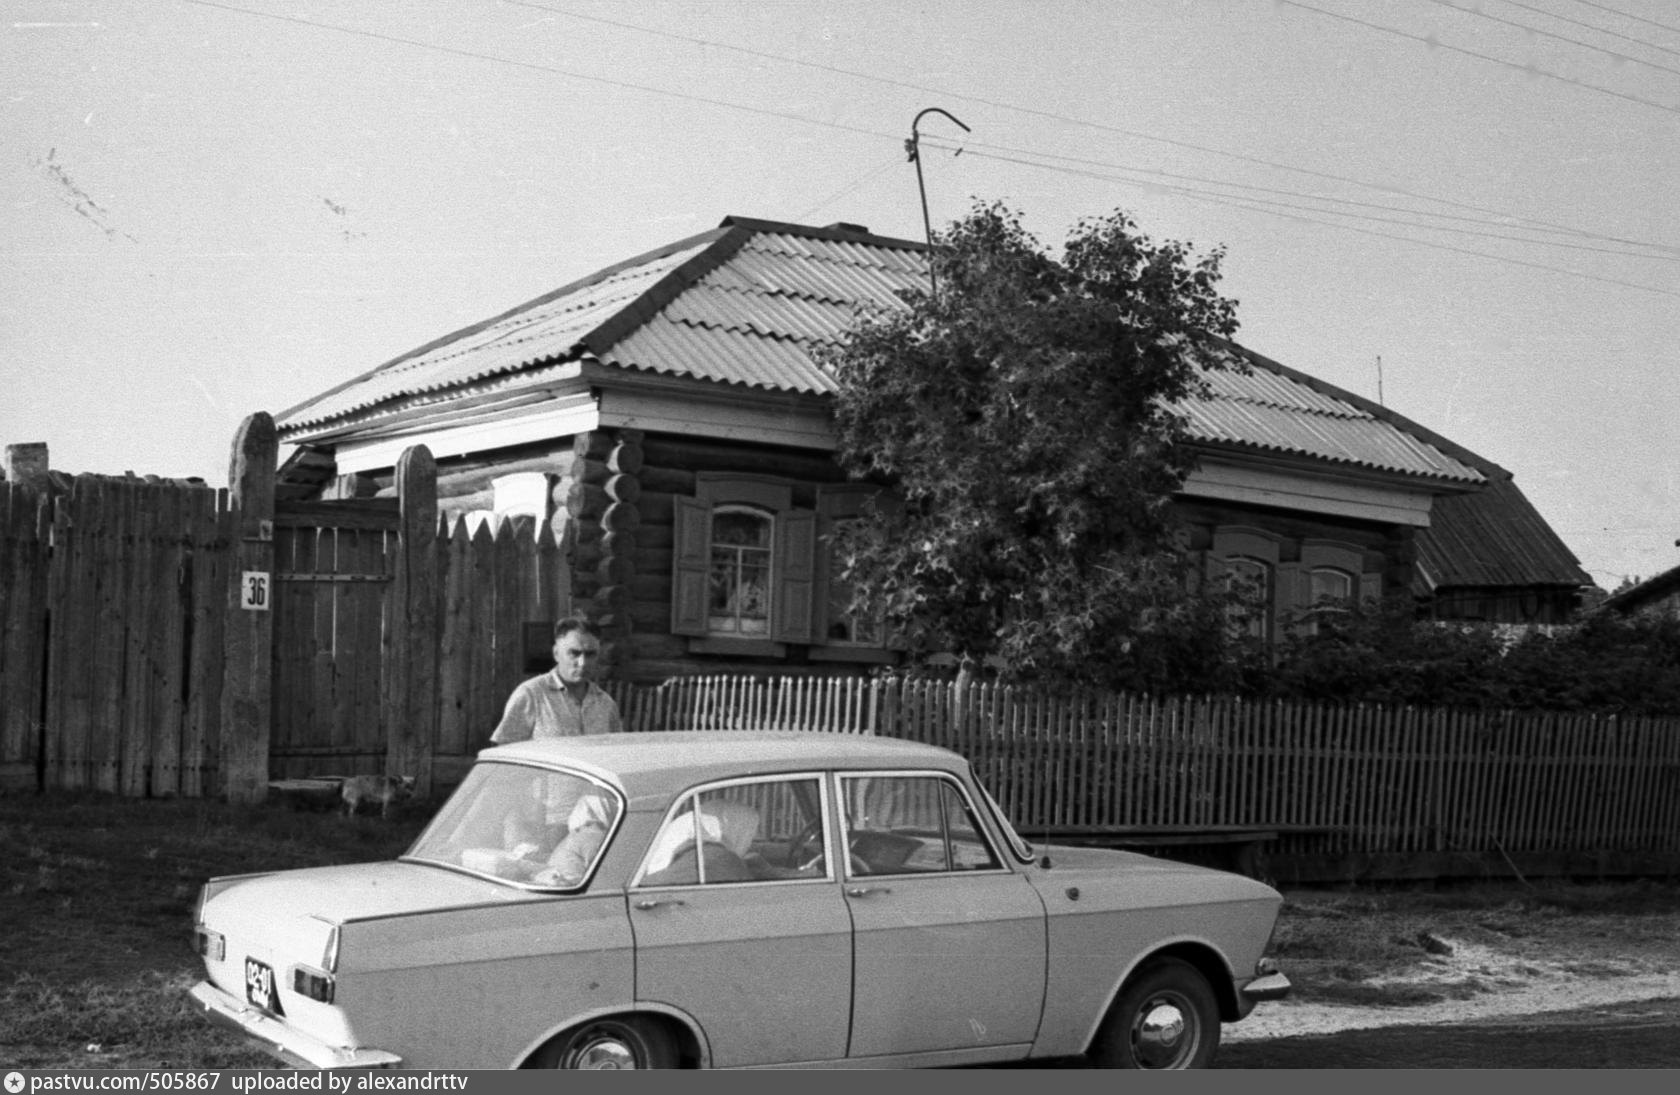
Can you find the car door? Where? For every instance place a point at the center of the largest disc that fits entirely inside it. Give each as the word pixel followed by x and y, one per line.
pixel 949 943
pixel 740 923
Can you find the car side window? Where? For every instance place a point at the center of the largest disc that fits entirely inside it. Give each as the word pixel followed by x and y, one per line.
pixel 912 824
pixel 756 830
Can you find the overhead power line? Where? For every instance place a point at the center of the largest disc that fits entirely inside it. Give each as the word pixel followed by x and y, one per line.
pixel 1048 115
pixel 1595 28
pixel 1253 206
pixel 1529 28
pixel 1434 42
pixel 1266 206
pixel 1629 15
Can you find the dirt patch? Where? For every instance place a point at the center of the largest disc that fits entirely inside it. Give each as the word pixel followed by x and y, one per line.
pixel 1369 960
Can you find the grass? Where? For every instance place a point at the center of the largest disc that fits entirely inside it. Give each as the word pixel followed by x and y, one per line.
pixel 97 897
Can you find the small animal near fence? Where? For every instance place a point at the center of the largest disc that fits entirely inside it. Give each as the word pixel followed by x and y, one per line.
pixel 1349 790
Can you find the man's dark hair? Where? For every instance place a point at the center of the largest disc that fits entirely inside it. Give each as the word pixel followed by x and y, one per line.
pixel 568 624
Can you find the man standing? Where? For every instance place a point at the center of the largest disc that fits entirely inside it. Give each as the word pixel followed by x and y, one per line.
pixel 566 700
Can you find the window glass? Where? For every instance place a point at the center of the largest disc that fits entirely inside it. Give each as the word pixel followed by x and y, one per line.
pixel 754 831
pixel 533 826
pixel 738 587
pixel 912 824
pixel 1330 586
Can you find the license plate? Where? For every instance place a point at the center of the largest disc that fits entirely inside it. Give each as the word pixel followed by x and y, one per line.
pixel 261 988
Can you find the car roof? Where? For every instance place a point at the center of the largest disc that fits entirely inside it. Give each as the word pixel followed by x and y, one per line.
pixel 664 762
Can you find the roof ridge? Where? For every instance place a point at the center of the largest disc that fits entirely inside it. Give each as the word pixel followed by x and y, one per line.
pixel 835 233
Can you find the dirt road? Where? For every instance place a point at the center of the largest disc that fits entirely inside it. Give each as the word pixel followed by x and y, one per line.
pixel 1633 1034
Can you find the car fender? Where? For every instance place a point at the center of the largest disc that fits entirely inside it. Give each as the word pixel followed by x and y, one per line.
pixel 702 1046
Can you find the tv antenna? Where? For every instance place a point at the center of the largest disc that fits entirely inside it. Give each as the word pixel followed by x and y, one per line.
pixel 914 147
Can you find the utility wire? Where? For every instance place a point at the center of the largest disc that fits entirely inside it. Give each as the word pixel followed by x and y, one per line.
pixel 555 70
pixel 1030 111
pixel 1151 175
pixel 1629 15
pixel 1595 28
pixel 1432 41
pixel 1530 29
pixel 1254 207
pixel 860 181
pixel 787 116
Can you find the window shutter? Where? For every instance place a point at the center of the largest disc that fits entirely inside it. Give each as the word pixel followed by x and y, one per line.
pixel 689 556
pixel 796 585
pixel 1292 593
pixel 1370 587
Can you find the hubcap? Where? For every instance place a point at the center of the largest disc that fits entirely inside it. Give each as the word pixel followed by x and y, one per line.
pixel 605 1053
pixel 1162 1036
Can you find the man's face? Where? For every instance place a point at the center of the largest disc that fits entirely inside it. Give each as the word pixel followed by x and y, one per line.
pixel 575 654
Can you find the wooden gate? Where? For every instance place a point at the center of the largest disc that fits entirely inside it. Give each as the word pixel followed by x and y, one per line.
pixel 334 564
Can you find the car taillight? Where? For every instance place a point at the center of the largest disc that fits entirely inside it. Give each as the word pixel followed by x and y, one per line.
pixel 209 944
pixel 313 984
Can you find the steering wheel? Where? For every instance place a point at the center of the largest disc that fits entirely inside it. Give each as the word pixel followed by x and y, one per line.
pixel 811 834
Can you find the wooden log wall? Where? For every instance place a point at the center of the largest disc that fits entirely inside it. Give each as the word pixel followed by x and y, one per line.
pixel 670 468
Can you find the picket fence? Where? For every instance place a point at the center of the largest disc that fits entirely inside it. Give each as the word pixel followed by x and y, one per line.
pixel 1391 790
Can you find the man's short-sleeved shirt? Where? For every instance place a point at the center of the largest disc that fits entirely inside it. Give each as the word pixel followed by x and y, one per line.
pixel 542 708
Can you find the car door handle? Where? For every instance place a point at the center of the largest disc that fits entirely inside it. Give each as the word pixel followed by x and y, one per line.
pixel 656 902
pixel 865 891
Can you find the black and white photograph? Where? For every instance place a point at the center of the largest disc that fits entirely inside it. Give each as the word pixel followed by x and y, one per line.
pixel 757 534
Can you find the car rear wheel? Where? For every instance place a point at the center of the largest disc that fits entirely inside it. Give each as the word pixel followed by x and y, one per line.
pixel 612 1044
pixel 1166 1017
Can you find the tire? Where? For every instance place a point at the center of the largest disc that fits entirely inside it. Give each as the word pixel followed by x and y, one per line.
pixel 611 1044
pixel 1166 1017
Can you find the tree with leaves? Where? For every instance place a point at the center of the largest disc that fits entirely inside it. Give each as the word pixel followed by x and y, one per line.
pixel 1026 415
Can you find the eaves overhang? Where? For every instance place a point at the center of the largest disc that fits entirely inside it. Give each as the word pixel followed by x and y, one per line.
pixel 1464 481
pixel 429 409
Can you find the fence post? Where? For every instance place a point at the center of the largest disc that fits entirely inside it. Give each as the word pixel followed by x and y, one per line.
pixel 247 673
pixel 411 730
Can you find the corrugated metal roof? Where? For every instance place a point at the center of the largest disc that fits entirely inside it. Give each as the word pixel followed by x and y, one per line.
pixel 1306 422
pixel 750 304
pixel 546 329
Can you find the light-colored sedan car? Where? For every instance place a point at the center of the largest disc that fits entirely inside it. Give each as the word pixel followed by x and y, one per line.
pixel 722 900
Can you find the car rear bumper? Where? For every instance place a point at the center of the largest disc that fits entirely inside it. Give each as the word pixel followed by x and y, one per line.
pixel 276 1038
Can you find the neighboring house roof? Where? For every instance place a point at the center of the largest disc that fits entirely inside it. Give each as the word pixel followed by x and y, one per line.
pixel 749 303
pixel 1643 594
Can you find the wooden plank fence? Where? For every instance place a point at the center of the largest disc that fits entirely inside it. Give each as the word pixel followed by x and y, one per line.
pixel 111 601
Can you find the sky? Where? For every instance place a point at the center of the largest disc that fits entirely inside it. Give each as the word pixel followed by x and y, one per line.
pixel 1463 208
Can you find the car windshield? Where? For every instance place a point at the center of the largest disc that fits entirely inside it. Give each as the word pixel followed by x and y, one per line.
pixel 532 826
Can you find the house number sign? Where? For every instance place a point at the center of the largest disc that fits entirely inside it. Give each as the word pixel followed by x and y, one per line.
pixel 254 590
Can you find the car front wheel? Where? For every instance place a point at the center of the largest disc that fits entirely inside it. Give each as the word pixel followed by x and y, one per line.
pixel 612 1044
pixel 1166 1017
